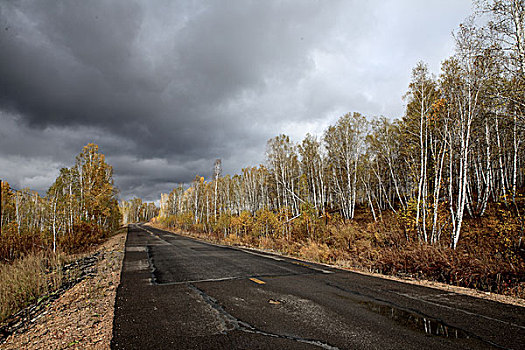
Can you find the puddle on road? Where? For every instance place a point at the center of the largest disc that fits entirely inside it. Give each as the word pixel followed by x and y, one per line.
pixel 415 321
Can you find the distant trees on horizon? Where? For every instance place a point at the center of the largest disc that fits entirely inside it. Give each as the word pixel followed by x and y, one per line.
pixel 135 211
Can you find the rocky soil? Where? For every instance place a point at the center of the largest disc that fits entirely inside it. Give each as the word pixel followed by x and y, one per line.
pixel 79 317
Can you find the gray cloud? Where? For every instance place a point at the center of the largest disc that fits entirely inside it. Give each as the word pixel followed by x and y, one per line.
pixel 166 87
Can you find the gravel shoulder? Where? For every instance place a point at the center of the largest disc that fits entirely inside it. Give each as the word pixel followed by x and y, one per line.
pixel 82 317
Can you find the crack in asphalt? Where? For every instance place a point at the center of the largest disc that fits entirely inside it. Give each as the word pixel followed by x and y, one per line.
pixel 152 268
pixel 232 278
pixel 231 323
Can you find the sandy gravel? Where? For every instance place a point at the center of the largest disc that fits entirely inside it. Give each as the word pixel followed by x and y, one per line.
pixel 82 318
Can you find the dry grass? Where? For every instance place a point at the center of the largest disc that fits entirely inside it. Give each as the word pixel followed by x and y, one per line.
pixel 35 275
pixel 27 279
pixel 232 239
pixel 314 251
pixel 82 317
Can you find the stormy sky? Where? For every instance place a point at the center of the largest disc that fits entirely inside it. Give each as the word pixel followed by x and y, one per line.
pixel 166 87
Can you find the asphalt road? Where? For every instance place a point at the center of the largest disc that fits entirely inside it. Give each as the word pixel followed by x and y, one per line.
pixel 179 293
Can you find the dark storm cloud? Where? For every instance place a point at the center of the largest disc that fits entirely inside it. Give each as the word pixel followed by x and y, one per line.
pixel 166 87
pixel 82 63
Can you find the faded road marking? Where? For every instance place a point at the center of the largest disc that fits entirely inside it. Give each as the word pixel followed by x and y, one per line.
pixel 300 263
pixel 136 249
pixel 138 265
pixel 263 255
pixel 281 259
pixel 157 237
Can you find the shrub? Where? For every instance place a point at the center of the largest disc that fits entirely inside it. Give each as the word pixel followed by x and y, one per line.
pixel 14 245
pixel 83 235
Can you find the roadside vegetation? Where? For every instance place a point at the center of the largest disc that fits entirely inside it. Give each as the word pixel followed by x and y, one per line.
pixel 436 194
pixel 26 280
pixel 40 234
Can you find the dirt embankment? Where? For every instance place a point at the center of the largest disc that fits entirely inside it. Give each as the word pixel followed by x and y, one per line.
pixel 82 317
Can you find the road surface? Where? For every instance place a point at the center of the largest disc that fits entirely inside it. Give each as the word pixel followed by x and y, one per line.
pixel 179 293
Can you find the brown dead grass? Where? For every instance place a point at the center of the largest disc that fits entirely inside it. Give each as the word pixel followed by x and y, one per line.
pixel 82 318
pixel 27 279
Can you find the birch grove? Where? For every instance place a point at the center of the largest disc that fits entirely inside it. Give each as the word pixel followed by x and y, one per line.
pixel 455 153
pixel 79 208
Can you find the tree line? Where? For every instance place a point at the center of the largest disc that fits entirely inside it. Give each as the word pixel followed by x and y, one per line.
pixel 135 210
pixel 78 209
pixel 457 152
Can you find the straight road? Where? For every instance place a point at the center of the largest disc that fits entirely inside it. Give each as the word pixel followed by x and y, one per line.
pixel 179 293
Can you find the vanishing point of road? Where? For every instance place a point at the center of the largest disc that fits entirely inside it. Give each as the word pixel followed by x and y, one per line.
pixel 180 293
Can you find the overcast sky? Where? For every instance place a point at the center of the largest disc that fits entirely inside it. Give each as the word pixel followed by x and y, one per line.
pixel 166 87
